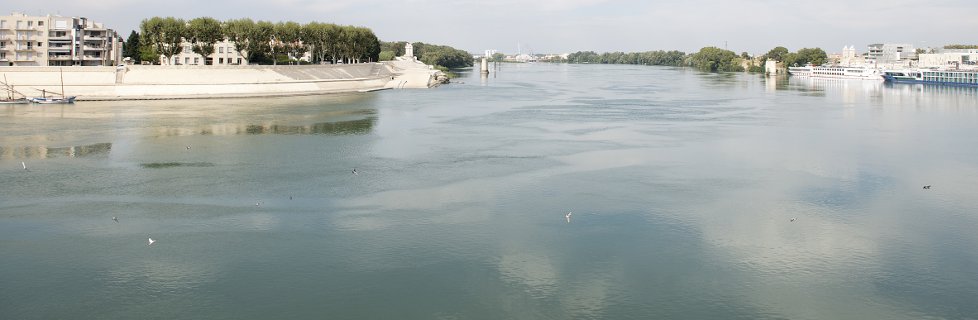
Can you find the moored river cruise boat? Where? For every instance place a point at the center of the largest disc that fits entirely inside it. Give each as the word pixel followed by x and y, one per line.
pixel 968 78
pixel 837 72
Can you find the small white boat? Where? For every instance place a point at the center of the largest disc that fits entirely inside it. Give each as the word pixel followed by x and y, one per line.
pixel 14 101
pixel 51 100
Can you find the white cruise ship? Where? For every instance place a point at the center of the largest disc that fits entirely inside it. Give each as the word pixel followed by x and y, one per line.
pixel 837 72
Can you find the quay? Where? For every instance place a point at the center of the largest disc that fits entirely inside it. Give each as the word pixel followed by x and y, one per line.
pixel 150 82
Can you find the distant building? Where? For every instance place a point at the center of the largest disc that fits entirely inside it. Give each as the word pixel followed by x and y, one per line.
pixel 224 54
pixel 57 41
pixel 890 52
pixel 954 60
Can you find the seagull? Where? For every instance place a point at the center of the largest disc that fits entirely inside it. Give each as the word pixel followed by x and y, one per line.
pixel 258 203
pixel 793 219
pixel 290 197
pixel 927 187
pixel 24 165
pixel 188 147
pixel 151 241
pixel 568 216
pixel 355 171
pixel 115 219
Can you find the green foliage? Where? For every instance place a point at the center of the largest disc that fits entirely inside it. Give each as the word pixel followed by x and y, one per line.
pixel 444 56
pixel 498 57
pixel 777 54
pixel 714 59
pixel 961 46
pixel 397 47
pixel 288 36
pixel 132 47
pixel 814 56
pixel 164 34
pixel 203 34
pixel 386 56
pixel 656 58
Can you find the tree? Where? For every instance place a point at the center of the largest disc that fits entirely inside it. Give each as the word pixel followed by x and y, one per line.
pixel 289 36
pixel 714 59
pixel 132 47
pixel 203 34
pixel 776 54
pixel 498 57
pixel 814 56
pixel 164 34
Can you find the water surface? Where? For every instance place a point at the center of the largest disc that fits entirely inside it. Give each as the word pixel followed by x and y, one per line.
pixel 682 186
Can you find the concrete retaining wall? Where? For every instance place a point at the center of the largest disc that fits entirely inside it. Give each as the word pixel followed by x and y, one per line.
pixel 174 82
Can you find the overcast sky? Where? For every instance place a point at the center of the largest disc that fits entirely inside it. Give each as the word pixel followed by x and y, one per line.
pixel 561 26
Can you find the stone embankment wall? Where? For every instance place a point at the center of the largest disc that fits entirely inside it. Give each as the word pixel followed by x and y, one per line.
pixel 178 82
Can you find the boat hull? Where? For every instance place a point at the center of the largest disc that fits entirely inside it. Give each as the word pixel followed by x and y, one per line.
pixel 65 100
pixel 14 101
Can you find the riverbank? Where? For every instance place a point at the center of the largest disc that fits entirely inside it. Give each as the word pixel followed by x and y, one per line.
pixel 138 82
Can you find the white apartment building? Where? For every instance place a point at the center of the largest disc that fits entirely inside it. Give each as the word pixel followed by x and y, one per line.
pixel 57 41
pixel 890 52
pixel 224 54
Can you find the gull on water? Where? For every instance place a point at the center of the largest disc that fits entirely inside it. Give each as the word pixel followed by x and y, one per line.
pixel 258 203
pixel 568 216
pixel 151 241
pixel 355 171
pixel 24 165
pixel 927 187
pixel 115 219
pixel 793 219
pixel 188 147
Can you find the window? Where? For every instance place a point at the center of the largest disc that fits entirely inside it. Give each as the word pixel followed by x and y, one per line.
pixel 40 23
pixel 196 60
pixel 39 44
pixel 220 60
pixel 186 60
pixel 220 49
pixel 30 24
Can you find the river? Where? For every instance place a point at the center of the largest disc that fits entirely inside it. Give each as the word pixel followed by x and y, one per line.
pixel 693 195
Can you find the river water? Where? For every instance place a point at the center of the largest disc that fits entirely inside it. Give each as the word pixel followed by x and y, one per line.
pixel 683 186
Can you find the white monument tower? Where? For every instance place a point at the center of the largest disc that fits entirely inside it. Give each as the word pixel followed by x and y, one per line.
pixel 409 51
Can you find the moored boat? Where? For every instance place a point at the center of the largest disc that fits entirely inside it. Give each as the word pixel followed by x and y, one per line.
pixel 968 78
pixel 14 101
pixel 836 72
pixel 52 100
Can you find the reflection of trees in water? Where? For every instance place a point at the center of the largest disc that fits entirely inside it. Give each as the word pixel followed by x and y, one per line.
pixel 43 152
pixel 352 127
pixel 362 126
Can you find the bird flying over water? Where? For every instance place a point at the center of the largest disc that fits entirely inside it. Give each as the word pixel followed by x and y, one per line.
pixel 151 241
pixel 793 219
pixel 568 216
pixel 927 187
pixel 355 171
pixel 115 219
pixel 188 147
pixel 24 165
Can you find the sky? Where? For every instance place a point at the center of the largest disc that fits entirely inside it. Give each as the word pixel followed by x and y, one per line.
pixel 564 26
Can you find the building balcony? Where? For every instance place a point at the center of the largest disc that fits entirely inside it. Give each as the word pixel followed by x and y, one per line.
pixel 94 38
pixel 93 58
pixel 24 49
pixel 59 49
pixel 60 57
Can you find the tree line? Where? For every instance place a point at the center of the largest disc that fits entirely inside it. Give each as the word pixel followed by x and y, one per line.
pixel 260 42
pixel 710 59
pixel 653 58
pixel 437 55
